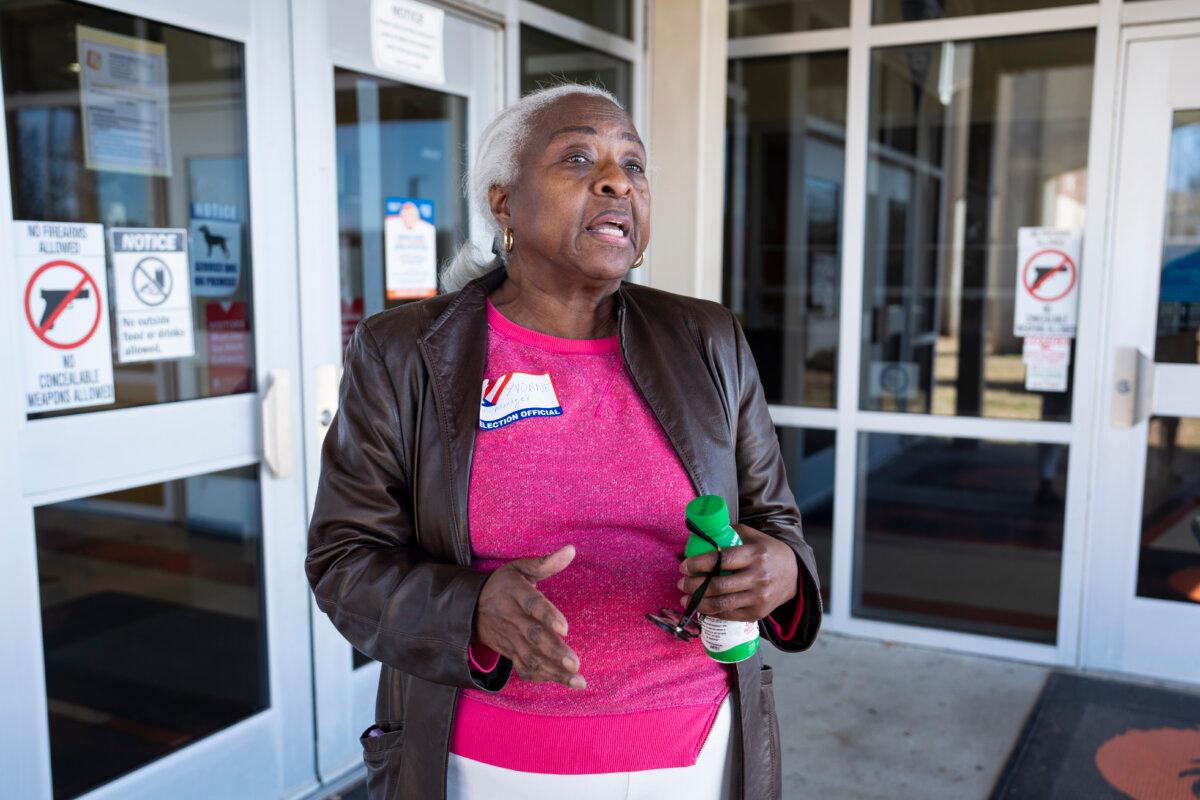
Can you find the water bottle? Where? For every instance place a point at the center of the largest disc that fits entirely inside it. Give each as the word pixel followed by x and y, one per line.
pixel 727 641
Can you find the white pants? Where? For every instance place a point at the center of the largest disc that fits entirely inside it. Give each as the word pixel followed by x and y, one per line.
pixel 707 779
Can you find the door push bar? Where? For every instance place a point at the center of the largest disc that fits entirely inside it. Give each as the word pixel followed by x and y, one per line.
pixel 327 379
pixel 277 424
pixel 1133 381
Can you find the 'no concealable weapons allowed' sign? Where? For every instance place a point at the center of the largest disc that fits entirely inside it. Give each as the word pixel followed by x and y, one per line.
pixel 66 347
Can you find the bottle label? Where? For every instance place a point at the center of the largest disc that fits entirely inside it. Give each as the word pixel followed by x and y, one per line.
pixel 719 635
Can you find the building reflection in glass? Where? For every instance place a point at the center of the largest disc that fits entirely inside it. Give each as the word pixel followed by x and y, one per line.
pixel 1178 339
pixel 152 621
pixel 785 159
pixel 968 142
pixel 548 60
pixel 808 454
pixel 960 534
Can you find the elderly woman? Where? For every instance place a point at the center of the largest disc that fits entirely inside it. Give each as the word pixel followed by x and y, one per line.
pixel 504 486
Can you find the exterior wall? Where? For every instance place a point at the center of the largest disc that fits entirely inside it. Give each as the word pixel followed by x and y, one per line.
pixel 687 62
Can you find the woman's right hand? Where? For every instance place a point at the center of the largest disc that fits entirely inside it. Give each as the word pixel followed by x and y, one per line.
pixel 517 621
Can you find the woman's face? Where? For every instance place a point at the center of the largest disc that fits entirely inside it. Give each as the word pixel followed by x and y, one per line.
pixel 581 200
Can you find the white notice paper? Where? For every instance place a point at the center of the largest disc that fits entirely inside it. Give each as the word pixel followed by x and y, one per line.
pixel 1047 363
pixel 123 98
pixel 65 343
pixel 153 294
pixel 406 38
pixel 1047 291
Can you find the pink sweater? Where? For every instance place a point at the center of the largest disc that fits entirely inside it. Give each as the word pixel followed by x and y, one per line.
pixel 578 458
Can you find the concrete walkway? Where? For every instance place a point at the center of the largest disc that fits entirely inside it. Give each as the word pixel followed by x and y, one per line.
pixel 862 719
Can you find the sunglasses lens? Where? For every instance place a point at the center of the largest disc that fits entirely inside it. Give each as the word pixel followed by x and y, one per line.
pixel 670 621
pixel 687 626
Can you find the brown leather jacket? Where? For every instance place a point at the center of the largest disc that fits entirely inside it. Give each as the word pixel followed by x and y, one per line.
pixel 389 551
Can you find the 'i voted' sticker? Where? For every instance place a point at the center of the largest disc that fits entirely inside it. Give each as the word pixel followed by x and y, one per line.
pixel 514 396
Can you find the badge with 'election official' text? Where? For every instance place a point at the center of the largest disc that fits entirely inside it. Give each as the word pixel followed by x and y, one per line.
pixel 515 396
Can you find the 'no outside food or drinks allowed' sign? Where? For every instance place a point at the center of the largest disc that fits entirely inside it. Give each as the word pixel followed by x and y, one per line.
pixel 67 348
pixel 153 294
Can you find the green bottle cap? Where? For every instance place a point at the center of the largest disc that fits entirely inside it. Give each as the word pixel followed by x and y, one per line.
pixel 708 512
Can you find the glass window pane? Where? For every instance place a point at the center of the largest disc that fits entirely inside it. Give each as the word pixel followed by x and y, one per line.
pixel 969 142
pixel 199 185
pixel 548 60
pixel 960 534
pixel 152 621
pixel 809 456
pixel 404 144
pixel 785 153
pixel 1169 556
pixel 1179 287
pixel 907 10
pixel 762 17
pixel 610 15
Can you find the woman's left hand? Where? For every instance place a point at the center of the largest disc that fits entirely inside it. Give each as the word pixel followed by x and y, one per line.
pixel 763 573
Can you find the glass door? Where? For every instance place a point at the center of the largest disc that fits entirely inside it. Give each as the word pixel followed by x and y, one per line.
pixel 381 170
pixel 1144 585
pixel 155 625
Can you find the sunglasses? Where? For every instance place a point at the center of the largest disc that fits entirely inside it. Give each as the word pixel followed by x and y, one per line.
pixel 687 627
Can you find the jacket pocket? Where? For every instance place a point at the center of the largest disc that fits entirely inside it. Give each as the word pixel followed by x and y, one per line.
pixel 767 705
pixel 381 754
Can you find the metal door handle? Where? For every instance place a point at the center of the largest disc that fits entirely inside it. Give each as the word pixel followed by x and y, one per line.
pixel 277 424
pixel 1132 378
pixel 327 378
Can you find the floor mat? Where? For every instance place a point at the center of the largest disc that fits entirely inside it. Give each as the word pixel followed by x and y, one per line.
pixel 130 679
pixel 1100 739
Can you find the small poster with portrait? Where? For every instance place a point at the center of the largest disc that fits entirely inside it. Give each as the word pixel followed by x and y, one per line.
pixel 409 248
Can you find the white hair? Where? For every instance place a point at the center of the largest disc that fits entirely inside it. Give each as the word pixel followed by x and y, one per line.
pixel 496 165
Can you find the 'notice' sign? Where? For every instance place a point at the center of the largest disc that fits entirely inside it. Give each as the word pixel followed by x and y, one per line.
pixel 153 293
pixel 406 38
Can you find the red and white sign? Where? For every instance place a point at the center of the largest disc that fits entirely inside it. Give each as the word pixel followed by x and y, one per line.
pixel 67 346
pixel 227 335
pixel 1047 291
pixel 1047 363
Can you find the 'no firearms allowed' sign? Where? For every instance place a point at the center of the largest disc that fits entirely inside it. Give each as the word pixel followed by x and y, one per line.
pixel 1047 292
pixel 66 347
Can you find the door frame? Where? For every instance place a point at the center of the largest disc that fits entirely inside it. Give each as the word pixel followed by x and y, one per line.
pixel 268 753
pixel 345 697
pixel 1114 617
pixel 1109 20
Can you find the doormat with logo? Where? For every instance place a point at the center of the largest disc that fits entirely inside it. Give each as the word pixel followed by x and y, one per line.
pixel 1102 739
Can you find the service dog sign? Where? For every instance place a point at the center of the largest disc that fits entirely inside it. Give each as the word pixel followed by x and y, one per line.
pixel 216 230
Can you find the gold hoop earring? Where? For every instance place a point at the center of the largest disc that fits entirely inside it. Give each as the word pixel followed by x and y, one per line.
pixel 508 240
pixel 640 258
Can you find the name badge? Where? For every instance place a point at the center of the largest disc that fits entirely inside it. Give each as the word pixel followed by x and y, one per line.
pixel 515 396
